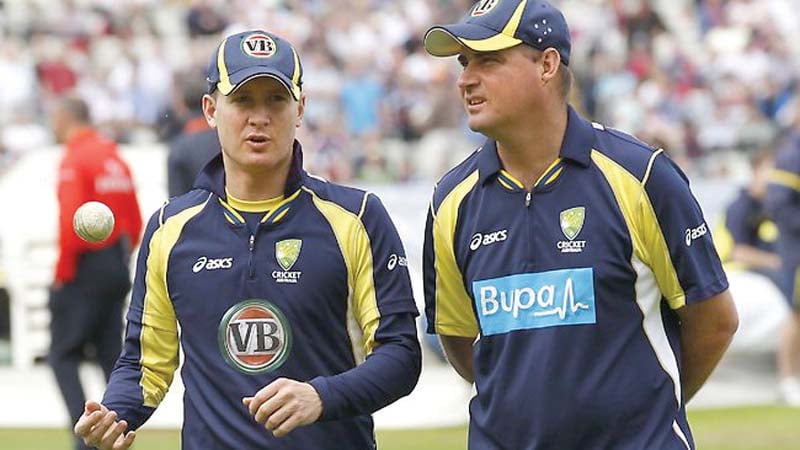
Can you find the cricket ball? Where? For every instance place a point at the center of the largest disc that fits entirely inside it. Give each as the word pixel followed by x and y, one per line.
pixel 93 222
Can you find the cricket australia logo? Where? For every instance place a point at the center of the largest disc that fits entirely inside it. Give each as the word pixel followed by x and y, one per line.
pixel 254 337
pixel 287 252
pixel 571 221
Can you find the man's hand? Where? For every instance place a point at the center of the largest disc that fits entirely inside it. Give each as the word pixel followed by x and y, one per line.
pixel 284 405
pixel 98 427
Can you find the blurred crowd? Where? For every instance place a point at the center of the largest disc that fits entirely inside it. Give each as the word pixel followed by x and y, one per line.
pixel 698 77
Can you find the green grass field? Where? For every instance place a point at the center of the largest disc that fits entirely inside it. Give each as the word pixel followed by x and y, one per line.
pixel 763 428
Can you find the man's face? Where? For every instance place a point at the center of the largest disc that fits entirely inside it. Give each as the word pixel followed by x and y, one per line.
pixel 256 124
pixel 499 89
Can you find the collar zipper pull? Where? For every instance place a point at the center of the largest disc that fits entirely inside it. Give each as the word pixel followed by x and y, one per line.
pixel 528 200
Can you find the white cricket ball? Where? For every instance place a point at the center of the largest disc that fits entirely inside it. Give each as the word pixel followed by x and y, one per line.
pixel 93 222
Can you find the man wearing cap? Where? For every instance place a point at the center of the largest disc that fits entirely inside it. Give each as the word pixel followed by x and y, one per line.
pixel 568 268
pixel 279 282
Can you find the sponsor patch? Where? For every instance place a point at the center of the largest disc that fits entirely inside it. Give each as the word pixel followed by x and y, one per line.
pixel 535 300
pixel 254 337
pixel 396 260
pixel 483 239
pixel 259 45
pixel 206 263
pixel 695 233
pixel 483 6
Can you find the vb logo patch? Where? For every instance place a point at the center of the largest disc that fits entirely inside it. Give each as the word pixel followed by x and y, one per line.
pixel 571 221
pixel 483 7
pixel 254 337
pixel 259 45
pixel 286 252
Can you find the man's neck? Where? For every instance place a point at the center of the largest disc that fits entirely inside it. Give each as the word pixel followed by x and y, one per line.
pixel 526 152
pixel 76 130
pixel 252 185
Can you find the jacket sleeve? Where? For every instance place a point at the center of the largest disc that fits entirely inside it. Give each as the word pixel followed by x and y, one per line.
pixel 449 307
pixel 149 358
pixel 673 239
pixel 384 308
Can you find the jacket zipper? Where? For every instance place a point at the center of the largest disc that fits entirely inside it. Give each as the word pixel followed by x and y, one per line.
pixel 251 269
pixel 529 221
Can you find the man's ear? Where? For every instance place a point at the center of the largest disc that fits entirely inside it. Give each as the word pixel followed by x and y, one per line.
pixel 210 110
pixel 301 109
pixel 551 60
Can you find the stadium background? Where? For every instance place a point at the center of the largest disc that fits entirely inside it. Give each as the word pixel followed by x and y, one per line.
pixel 709 80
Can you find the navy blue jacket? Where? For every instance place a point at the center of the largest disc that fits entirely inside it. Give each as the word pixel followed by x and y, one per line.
pixel 571 291
pixel 319 285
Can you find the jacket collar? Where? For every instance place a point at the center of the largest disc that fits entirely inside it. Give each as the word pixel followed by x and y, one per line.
pixel 212 177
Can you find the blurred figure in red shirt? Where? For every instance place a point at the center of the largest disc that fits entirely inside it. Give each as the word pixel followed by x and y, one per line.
pixel 91 280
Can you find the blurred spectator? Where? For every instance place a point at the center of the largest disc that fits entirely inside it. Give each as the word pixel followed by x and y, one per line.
pixel 5 312
pixel 715 77
pixel 203 19
pixel 4 156
pixel 196 144
pixel 783 205
pixel 91 279
pixel 747 238
pixel 361 99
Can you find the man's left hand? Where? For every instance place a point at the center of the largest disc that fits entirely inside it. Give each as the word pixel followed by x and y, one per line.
pixel 284 405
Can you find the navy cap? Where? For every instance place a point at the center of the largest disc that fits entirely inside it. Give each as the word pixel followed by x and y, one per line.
pixel 252 54
pixel 494 25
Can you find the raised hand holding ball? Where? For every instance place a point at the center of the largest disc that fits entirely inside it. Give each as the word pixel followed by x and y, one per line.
pixel 93 222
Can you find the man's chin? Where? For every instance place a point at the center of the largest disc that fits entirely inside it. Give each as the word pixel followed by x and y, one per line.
pixel 479 126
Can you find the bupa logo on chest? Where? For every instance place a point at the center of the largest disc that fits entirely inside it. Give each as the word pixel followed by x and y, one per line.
pixel 535 300
pixel 287 252
pixel 254 337
pixel 259 46
pixel 571 222
pixel 206 263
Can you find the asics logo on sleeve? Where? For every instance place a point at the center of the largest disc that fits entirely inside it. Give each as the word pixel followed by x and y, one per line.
pixel 695 233
pixel 479 239
pixel 396 260
pixel 206 263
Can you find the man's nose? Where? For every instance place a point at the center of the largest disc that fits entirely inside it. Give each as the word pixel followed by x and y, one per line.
pixel 259 115
pixel 467 79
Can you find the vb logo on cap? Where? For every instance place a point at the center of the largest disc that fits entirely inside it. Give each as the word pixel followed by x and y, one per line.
pixel 259 46
pixel 251 54
pixel 483 7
